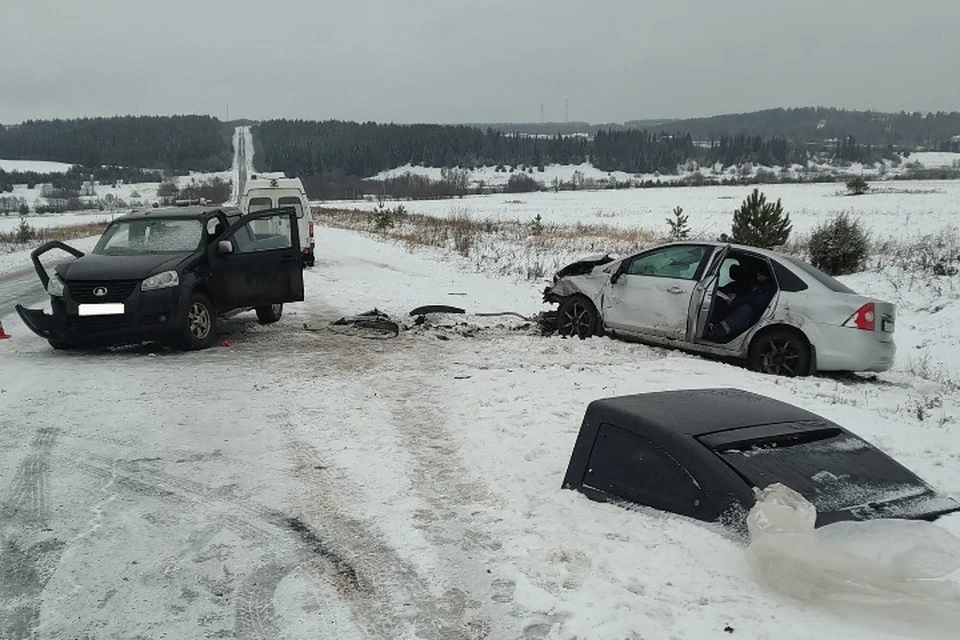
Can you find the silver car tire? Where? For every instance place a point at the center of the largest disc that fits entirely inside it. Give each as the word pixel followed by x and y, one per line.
pixel 780 352
pixel 577 317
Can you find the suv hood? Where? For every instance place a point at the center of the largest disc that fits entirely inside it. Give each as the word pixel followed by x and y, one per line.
pixel 100 267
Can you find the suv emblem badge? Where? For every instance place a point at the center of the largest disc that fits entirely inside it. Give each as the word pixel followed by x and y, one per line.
pixel 100 292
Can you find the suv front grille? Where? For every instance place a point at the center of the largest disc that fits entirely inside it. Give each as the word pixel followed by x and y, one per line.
pixel 98 324
pixel 117 290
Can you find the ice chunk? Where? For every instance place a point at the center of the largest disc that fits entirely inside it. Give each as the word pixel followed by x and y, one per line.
pixel 891 569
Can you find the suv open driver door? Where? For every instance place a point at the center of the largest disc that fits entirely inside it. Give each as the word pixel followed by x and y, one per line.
pixel 258 261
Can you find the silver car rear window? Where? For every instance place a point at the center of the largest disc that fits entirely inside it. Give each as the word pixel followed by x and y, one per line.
pixel 828 281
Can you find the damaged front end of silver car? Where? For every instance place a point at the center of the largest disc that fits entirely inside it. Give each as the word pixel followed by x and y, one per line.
pixel 566 283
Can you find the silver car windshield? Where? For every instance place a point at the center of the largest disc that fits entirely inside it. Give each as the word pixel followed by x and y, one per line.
pixel 138 237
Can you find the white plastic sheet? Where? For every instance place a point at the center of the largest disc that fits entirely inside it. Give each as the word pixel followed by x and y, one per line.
pixel 897 570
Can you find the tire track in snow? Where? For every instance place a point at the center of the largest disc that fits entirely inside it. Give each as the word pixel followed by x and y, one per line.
pixel 255 524
pixel 253 611
pixel 288 543
pixel 28 557
pixel 397 594
pixel 483 604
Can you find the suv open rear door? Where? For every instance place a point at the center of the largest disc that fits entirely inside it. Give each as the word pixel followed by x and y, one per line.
pixel 258 261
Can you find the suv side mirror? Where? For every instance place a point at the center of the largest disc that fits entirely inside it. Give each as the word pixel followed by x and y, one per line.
pixel 224 248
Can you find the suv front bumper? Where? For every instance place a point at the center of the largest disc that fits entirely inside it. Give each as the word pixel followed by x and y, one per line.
pixel 151 315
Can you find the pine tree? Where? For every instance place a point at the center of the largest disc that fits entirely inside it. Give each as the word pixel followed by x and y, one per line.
pixel 759 223
pixel 678 225
pixel 857 186
pixel 25 232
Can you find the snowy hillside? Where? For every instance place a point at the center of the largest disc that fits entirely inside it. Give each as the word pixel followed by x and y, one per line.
pixel 586 173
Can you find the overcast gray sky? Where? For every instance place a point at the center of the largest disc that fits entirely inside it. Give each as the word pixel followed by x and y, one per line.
pixel 470 61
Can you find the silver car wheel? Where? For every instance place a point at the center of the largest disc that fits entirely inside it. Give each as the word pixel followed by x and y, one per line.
pixel 781 357
pixel 576 320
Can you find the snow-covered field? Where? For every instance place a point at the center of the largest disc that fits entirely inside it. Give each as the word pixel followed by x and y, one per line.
pixel 935 159
pixel 894 210
pixel 307 483
pixel 48 220
pixel 39 166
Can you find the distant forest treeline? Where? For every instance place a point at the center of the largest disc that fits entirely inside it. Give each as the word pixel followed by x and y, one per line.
pixel 333 149
pixel 933 131
pixel 311 148
pixel 173 143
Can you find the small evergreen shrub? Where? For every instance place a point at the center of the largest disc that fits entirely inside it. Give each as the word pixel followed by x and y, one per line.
pixel 839 246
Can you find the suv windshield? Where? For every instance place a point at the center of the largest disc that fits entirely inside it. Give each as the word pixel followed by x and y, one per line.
pixel 137 237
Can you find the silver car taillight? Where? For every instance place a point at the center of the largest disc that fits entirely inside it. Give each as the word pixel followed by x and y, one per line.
pixel 864 319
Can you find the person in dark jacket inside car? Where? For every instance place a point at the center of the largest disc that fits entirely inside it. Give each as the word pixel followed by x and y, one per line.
pixel 745 309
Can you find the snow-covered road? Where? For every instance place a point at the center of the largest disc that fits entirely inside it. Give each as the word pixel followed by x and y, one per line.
pixel 306 483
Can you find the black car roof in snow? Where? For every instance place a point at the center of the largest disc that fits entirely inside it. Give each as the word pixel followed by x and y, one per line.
pixel 178 212
pixel 697 412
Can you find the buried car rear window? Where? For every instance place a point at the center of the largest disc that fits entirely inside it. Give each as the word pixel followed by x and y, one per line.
pixel 832 469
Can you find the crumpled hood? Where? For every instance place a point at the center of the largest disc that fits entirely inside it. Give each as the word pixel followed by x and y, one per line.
pixel 100 267
pixel 584 266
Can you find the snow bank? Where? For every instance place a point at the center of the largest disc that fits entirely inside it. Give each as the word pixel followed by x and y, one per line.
pixel 895 570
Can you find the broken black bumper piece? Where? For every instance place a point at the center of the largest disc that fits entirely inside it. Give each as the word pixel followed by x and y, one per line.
pixel 41 323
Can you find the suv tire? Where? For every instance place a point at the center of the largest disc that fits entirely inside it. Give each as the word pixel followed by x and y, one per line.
pixel 200 324
pixel 269 313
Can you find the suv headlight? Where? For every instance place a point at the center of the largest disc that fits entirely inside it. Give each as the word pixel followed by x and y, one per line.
pixel 163 280
pixel 55 286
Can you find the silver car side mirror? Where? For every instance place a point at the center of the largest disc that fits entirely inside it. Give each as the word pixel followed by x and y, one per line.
pixel 615 276
pixel 224 247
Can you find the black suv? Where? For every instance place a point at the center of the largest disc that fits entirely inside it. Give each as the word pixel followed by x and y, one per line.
pixel 167 274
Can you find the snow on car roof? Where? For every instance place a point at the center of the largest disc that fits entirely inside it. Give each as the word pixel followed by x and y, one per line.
pixel 697 412
pixel 177 212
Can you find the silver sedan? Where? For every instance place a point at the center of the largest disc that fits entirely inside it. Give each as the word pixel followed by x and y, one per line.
pixel 776 312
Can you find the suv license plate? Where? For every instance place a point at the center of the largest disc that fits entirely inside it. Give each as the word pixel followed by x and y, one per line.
pixel 106 309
